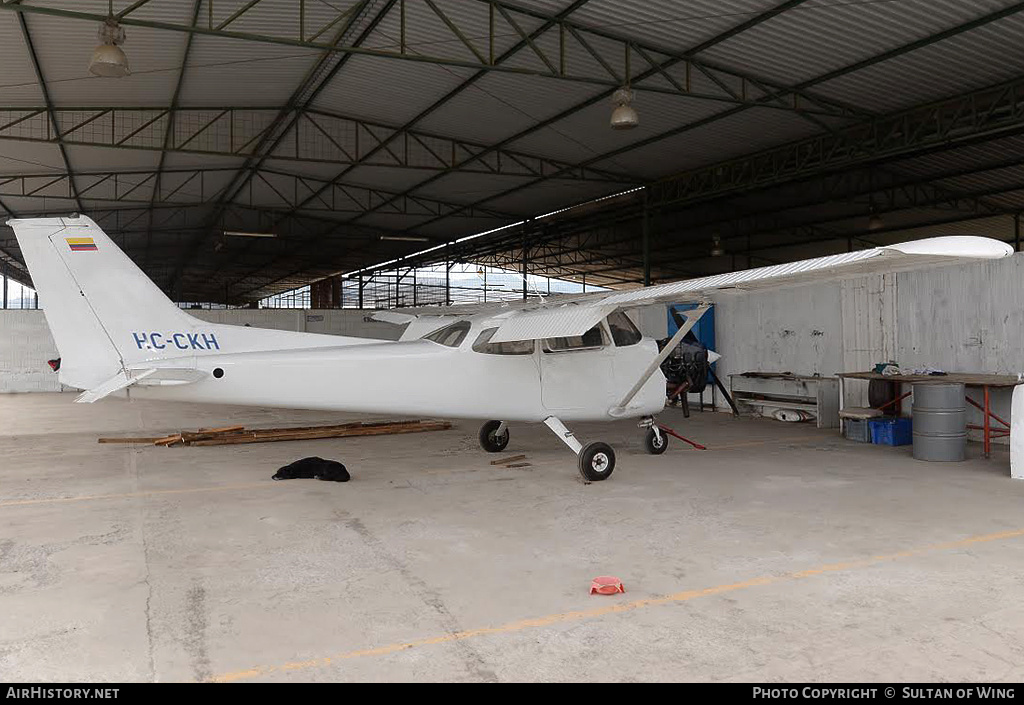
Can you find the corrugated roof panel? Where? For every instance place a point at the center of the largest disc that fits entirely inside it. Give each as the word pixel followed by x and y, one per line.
pixel 234 72
pixel 106 158
pixel 971 157
pixel 387 178
pixel 29 158
pixel 276 18
pixel 670 24
pixel 578 59
pixel 1012 177
pixel 999 227
pixel 466 188
pixel 428 35
pixel 456 228
pixel 816 38
pixel 734 136
pixel 393 221
pixel 315 170
pixel 1011 199
pixel 981 57
pixel 387 90
pixel 183 161
pixel 548 196
pixel 500 105
pixel 895 220
pixel 18 85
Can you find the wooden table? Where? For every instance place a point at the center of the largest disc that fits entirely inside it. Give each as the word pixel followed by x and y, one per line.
pixel 985 381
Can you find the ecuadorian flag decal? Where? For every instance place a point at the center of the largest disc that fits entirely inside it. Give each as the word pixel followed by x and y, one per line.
pixel 81 244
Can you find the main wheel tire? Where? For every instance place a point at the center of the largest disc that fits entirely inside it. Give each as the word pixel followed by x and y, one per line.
pixel 596 461
pixel 655 443
pixel 491 442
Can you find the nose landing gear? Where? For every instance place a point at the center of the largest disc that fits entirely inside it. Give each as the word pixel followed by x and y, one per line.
pixel 655 440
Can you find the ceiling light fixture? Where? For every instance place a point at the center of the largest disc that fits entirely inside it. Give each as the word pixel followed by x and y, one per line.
pixel 624 116
pixel 716 246
pixel 875 220
pixel 241 233
pixel 108 60
pixel 404 238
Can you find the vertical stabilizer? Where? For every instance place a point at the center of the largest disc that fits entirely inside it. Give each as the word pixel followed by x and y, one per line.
pixel 93 296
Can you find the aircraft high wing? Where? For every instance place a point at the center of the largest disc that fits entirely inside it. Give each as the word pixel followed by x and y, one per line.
pixel 560 359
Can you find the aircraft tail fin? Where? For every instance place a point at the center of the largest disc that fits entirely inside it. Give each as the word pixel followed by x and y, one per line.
pixel 93 297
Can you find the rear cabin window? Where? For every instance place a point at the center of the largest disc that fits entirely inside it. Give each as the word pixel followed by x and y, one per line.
pixel 450 336
pixel 483 344
pixel 623 331
pixel 593 338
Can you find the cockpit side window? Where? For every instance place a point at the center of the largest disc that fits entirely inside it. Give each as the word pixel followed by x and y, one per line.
pixel 451 335
pixel 593 338
pixel 623 331
pixel 483 344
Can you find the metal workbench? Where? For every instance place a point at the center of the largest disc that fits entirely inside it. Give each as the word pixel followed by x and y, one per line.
pixel 985 381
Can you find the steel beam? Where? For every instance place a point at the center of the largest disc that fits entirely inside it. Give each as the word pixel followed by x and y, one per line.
pixel 570 36
pixel 44 89
pixel 319 136
pixel 823 148
pixel 169 131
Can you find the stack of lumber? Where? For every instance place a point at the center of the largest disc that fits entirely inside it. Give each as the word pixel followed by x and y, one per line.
pixel 232 435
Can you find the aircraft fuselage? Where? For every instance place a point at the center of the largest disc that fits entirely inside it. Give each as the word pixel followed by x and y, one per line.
pixel 424 378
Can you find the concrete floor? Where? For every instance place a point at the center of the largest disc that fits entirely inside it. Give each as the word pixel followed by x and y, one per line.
pixel 782 553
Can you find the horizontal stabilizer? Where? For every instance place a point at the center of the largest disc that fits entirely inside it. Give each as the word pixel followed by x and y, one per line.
pixel 115 384
pixel 143 377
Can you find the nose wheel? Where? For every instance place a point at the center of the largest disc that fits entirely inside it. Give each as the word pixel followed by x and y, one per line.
pixel 494 436
pixel 656 441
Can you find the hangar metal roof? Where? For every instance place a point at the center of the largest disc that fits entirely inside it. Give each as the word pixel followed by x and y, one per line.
pixel 358 131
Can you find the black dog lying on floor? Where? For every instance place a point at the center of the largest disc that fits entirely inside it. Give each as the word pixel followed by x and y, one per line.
pixel 318 468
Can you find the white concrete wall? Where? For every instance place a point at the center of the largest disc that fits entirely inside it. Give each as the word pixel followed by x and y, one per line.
pixel 25 346
pixel 967 318
pixel 26 343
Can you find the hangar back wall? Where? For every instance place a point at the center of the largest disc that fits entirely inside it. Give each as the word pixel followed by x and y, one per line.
pixel 967 318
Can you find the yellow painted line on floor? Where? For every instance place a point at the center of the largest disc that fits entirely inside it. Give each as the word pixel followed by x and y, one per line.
pixel 126 495
pixel 614 608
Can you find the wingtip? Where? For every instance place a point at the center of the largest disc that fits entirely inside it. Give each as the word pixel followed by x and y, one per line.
pixel 972 246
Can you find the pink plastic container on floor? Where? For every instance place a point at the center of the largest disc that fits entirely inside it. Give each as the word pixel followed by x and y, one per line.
pixel 606 585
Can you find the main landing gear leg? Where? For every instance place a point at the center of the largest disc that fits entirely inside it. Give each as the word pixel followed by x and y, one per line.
pixel 494 436
pixel 596 460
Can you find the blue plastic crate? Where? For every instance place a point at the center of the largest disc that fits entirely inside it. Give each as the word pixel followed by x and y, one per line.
pixel 891 432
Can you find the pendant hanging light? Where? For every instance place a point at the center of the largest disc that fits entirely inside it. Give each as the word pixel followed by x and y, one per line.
pixel 716 246
pixel 874 220
pixel 624 116
pixel 108 60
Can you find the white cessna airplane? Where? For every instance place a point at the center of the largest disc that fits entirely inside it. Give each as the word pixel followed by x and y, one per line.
pixel 574 358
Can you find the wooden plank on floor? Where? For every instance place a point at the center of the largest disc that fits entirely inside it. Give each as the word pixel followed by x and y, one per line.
pixel 510 459
pixel 270 435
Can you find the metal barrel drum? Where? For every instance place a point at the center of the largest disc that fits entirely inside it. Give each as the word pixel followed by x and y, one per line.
pixel 940 421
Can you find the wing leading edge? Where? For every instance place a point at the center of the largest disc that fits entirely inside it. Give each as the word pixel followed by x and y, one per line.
pixel 582 313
